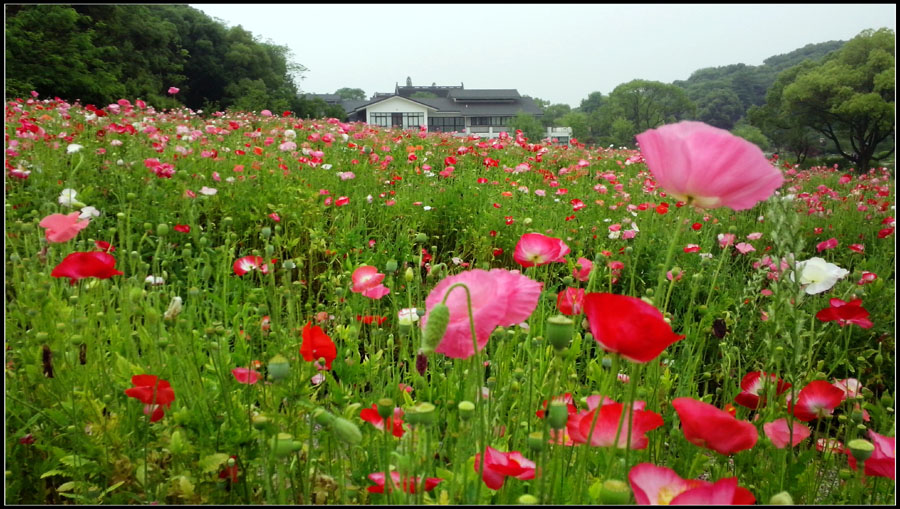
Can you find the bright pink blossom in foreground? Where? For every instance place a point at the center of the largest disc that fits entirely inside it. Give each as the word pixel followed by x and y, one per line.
pixel 780 434
pixel 62 228
pixel 628 326
pixel 317 345
pixel 753 389
pixel 498 465
pixel 582 270
pixel 408 484
pixel 534 249
pixel 395 422
pixel 246 264
pixel 845 313
pixel 653 485
pixel 706 426
pixel 245 375
pixel 499 298
pixel 80 265
pixel 155 393
pixel 818 399
pixel 707 166
pixel 882 462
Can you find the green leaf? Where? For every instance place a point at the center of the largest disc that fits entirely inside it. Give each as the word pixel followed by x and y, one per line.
pixel 48 473
pixel 66 486
pixel 212 462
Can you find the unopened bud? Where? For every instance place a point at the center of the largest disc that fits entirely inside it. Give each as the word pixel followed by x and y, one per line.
pixel 408 275
pixel 346 431
pixel 162 229
pixel 614 492
pixel 527 499
pixel 558 414
pixel 278 367
pixel 783 498
pixel 438 319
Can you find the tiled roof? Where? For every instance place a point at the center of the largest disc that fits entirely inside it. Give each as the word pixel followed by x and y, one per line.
pixel 485 94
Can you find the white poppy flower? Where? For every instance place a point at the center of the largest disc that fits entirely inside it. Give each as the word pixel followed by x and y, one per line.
pixel 818 275
pixel 73 147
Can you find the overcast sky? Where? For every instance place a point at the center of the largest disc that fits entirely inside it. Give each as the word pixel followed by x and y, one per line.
pixel 557 52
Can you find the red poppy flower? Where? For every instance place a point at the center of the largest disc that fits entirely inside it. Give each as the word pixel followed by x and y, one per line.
pixel 316 344
pixel 183 228
pixel 628 326
pixel 706 426
pixel 154 392
pixel 498 465
pixel 245 375
pixel 818 399
pixel 607 425
pixel 248 263
pixel 370 319
pixel 828 244
pixel 408 484
pixel 395 422
pixel 845 313
pixel 86 264
pixel 753 384
pixel 104 246
pixel 570 301
pixel 231 472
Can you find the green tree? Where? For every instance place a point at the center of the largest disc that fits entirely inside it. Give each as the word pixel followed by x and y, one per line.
pixel 592 102
pixel 638 105
pixel 752 134
pixel 553 113
pixel 578 121
pixel 849 97
pixel 719 107
pixel 355 94
pixel 786 131
pixel 529 125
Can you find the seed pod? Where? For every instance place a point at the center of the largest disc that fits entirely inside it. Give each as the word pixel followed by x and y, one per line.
pixel 385 408
pixel 559 414
pixel 559 331
pixel 466 410
pixel 614 492
pixel 278 367
pixel 438 320
pixel 861 449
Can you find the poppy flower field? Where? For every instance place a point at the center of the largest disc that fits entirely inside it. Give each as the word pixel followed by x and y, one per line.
pixel 249 308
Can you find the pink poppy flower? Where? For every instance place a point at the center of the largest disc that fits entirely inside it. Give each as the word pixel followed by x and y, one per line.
pixel 858 248
pixel 80 265
pixel 570 301
pixel 707 166
pixel 828 244
pixel 744 247
pixel 534 249
pixel 245 375
pixel 604 434
pixel 882 461
pixel 500 465
pixel 407 484
pixel 395 422
pixel 248 263
pixel 582 270
pixel 725 239
pixel 706 426
pixel 63 228
pixel 628 326
pixel 367 281
pixel 499 298
pixel 754 236
pixel 818 399
pixel 275 217
pixel 753 389
pixel 692 248
pixel 867 277
pixel 845 313
pixel 174 90
pixel 653 485
pixel 778 432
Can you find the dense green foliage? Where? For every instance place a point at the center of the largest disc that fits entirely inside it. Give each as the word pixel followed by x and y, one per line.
pixel 101 53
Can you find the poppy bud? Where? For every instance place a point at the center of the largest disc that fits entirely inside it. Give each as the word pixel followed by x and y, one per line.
pixel 879 359
pixel 783 498
pixel 278 367
pixel 886 399
pixel 260 422
pixel 162 229
pixel 466 410
pixel 438 320
pixel 226 221
pixel 614 492
pixel 861 449
pixel 422 413
pixel 390 266
pixel 323 417
pixel 559 331
pixel 527 499
pixel 536 440
pixel 421 238
pixel 408 275
pixel 559 414
pixel 385 408
pixel 266 232
pixel 346 431
pixel 844 474
pixel 282 444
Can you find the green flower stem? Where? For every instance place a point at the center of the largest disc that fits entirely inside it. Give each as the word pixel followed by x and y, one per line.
pixel 712 283
pixel 661 279
pixel 604 384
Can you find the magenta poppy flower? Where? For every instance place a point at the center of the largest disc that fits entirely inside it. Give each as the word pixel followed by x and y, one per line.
pixel 62 228
pixel 882 462
pixel 534 250
pixel 367 281
pixel 582 270
pixel 248 263
pixel 753 389
pixel 707 166
pixel 604 433
pixel 407 484
pixel 706 426
pixel 245 375
pixel 818 399
pixel 780 434
pixel 628 326
pixel 828 244
pixel 499 298
pixel 154 392
pixel 500 465
pixel 317 345
pixel 570 301
pixel 653 485
pixel 395 422
pixel 174 90
pixel 86 264
pixel 182 228
pixel 845 313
